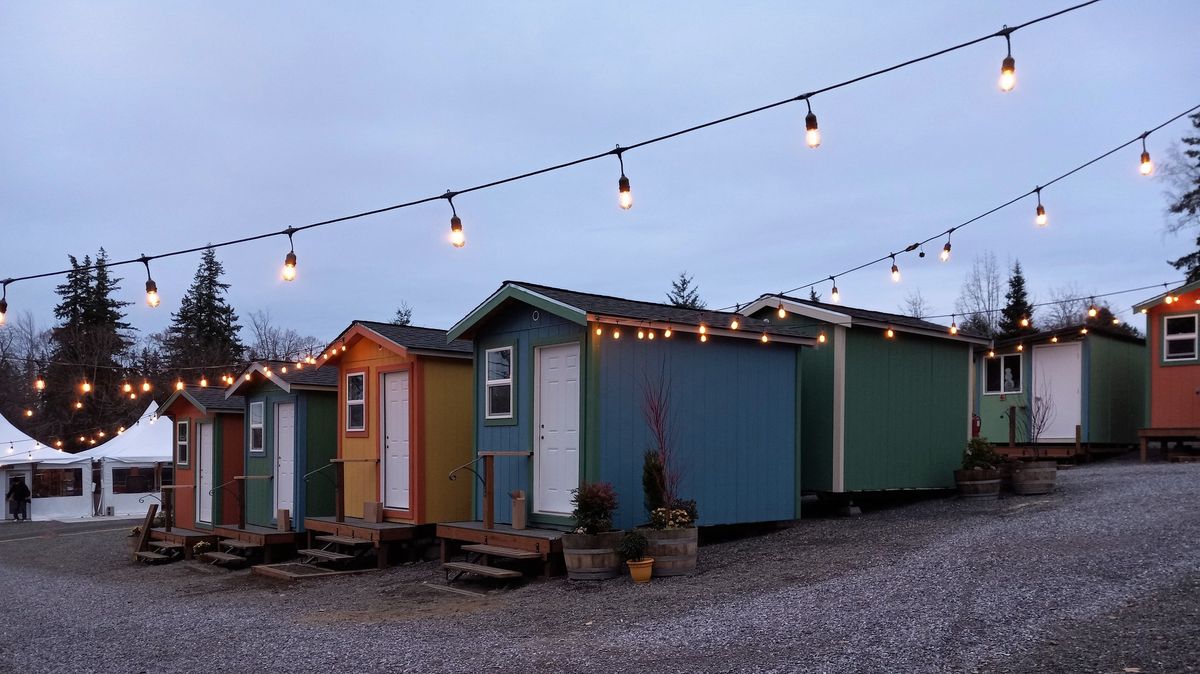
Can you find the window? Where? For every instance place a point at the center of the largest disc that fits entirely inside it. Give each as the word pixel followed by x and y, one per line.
pixel 356 402
pixel 1179 337
pixel 181 442
pixel 499 383
pixel 52 482
pixel 1002 374
pixel 133 480
pixel 256 427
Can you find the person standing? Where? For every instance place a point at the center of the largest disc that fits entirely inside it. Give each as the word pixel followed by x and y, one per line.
pixel 18 496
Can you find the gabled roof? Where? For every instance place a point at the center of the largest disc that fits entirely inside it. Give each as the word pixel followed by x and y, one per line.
pixel 850 316
pixel 580 307
pixel 1161 297
pixel 1070 332
pixel 286 375
pixel 207 399
pixel 410 339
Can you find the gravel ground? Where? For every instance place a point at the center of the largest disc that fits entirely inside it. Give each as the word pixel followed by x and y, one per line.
pixel 1102 576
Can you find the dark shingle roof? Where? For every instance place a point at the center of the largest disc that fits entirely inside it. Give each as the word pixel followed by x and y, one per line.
pixel 896 320
pixel 307 376
pixel 1071 331
pixel 653 311
pixel 213 399
pixel 414 337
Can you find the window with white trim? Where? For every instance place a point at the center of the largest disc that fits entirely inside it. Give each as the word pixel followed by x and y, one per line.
pixel 356 402
pixel 181 442
pixel 498 395
pixel 1179 337
pixel 256 426
pixel 1002 374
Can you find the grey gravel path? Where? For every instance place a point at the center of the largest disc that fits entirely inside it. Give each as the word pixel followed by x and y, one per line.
pixel 1102 576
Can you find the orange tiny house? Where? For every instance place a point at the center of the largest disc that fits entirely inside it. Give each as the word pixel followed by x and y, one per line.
pixel 1173 333
pixel 404 423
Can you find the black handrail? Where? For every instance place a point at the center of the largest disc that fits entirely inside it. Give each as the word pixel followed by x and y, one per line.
pixel 468 466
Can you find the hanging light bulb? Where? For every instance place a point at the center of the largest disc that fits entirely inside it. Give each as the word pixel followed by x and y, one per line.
pixel 735 322
pixel 624 194
pixel 133 396
pixel 58 443
pixel 781 312
pixel 152 299
pixel 4 303
pixel 1083 331
pixel 1167 300
pixel 599 330
pixel 1020 347
pixel 145 386
pixel 641 334
pixel 703 329
pixel 821 338
pixel 126 387
pixel 101 434
pixel 81 438
pixel 650 335
pixel 457 238
pixel 703 337
pixel 78 405
pixel 1092 310
pixel 890 334
pixel 247 376
pixel 1008 68
pixel 28 413
pixel 203 381
pixel 895 270
pixel 764 338
pixel 86 386
pixel 39 383
pixel 1054 339
pixel 1116 321
pixel 1041 210
pixel 945 254
pixel 668 332
pixel 289 261
pixel 178 384
pixel 953 325
pixel 1146 167
pixel 835 295
pixel 616 333
pixel 991 354
pixel 1024 321
pixel 812 135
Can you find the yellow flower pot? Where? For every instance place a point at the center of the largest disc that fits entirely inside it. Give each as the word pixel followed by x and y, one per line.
pixel 640 570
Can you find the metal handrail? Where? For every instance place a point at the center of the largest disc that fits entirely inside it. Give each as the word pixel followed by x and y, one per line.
pixel 468 466
pixel 317 470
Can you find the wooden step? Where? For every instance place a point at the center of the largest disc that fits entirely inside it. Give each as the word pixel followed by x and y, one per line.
pixel 497 551
pixel 216 557
pixel 166 545
pixel 480 569
pixel 149 556
pixel 344 540
pixel 240 545
pixel 326 555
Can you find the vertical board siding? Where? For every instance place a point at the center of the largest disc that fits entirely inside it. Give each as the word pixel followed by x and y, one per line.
pixel 993 409
pixel 260 494
pixel 228 453
pixel 733 406
pixel 1173 386
pixel 905 409
pixel 448 408
pixel 1117 392
pixel 512 324
pixel 320 435
pixel 816 411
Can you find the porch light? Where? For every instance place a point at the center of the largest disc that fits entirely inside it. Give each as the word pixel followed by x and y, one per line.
pixel 1008 67
pixel 812 135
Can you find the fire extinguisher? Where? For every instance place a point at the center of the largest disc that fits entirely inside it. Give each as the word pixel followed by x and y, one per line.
pixel 976 425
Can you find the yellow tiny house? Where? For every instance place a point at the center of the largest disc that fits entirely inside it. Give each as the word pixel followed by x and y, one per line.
pixel 404 422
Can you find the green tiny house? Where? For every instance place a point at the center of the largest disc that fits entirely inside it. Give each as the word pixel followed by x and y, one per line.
pixel 290 435
pixel 879 412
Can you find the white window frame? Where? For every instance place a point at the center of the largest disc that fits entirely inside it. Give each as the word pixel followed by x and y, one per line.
pixel 1001 357
pixel 185 444
pixel 1192 336
pixel 489 384
pixel 261 425
pixel 361 402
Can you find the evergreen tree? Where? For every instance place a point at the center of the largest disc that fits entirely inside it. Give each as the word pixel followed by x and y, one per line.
pixel 684 293
pixel 813 295
pixel 1104 319
pixel 403 314
pixel 1190 263
pixel 1185 173
pixel 205 329
pixel 1017 307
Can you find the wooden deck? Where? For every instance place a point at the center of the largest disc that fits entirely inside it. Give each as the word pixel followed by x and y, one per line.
pixel 257 535
pixel 546 544
pixel 354 527
pixel 1164 437
pixel 185 537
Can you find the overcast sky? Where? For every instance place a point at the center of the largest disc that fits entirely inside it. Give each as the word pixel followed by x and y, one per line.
pixel 144 127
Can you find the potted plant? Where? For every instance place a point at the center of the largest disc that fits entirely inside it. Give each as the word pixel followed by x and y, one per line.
pixel 671 532
pixel 590 551
pixel 1038 476
pixel 632 549
pixel 979 476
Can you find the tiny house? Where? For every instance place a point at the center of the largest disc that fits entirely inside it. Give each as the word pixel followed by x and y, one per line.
pixel 560 382
pixel 1082 386
pixel 885 399
pixel 206 443
pixel 290 433
pixel 403 424
pixel 1173 366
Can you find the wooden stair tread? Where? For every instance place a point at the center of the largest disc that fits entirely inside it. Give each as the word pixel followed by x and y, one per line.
pixel 166 545
pixel 239 544
pixel 151 556
pixel 222 557
pixel 480 569
pixel 498 551
pixel 327 555
pixel 343 540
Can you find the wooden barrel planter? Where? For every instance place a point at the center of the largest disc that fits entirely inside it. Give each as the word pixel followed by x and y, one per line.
pixel 978 483
pixel 592 556
pixel 673 550
pixel 1034 477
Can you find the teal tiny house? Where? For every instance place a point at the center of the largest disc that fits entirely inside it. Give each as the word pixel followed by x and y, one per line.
pixel 290 432
pixel 1086 377
pixel 885 399
pixel 559 383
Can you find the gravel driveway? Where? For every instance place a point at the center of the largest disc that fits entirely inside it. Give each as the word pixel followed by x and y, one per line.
pixel 1102 576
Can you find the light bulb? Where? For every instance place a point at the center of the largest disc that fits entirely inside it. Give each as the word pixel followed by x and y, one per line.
pixel 289 267
pixel 991 354
pixel 1041 216
pixel 1092 311
pixel 78 405
pixel 703 337
pixel 953 328
pixel 650 335
pixel 1024 322
pixel 152 299
pixel 624 194
pixel 945 254
pixel 1054 339
pixel 734 323
pixel 1168 299
pixel 3 311
pixel 835 295
pixel 1020 347
pixel 1008 74
pixel 457 238
pixel 616 333
pixel 641 333
pixel 133 396
pixel 782 313
pixel 599 331
pixel 145 387
pixel 101 434
pixel 39 383
pixel 203 382
pixel 179 385
pixel 667 333
pixel 1116 321
pixel 764 338
pixel 821 338
pixel 28 413
pixel 247 376
pixel 1083 331
pixel 703 330
pixel 812 135
pixel 890 333
pixel 895 273
pixel 86 387
pixel 126 387
pixel 1147 166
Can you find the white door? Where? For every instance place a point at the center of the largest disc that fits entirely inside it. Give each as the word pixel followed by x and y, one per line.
pixel 285 457
pixel 204 473
pixel 556 432
pixel 395 474
pixel 1057 390
pixel 11 477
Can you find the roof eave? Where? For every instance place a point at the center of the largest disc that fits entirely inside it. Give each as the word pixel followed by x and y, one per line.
pixel 508 291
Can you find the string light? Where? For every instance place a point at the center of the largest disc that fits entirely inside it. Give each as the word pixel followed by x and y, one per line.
pixel 1024 321
pixel 1020 347
pixel 86 386
pixel 1092 310
pixel 1083 331
pixel 127 387
pixel 890 333
pixel 668 332
pixel 247 376
pixel 28 413
pixel 203 381
pixel 1116 321
pixel 991 354
pixel 1008 67
pixel 78 405
pixel 152 299
pixel 945 254
pixel 39 383
pixel 835 296
pixel 781 312
pixel 735 322
pixel 650 335
pixel 599 330
pixel 178 384
pixel 953 326
pixel 616 333
pixel 703 337
pixel 457 238
pixel 624 194
pixel 289 261
pixel 812 135
pixel 145 386
pixel 1041 210
pixel 1054 339
pixel 895 270
pixel 4 302
pixel 821 338
pixel 1146 167
pixel 703 329
pixel 641 334
pixel 764 338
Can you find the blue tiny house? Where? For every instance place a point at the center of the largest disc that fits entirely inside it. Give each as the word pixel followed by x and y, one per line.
pixel 560 378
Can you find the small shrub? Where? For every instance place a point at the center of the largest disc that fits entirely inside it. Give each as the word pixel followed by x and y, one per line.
pixel 201 548
pixel 980 454
pixel 654 481
pixel 633 546
pixel 595 503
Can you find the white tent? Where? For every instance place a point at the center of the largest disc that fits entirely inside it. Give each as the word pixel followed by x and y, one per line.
pixel 61 483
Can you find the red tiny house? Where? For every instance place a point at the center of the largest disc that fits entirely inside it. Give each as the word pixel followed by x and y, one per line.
pixel 1173 334
pixel 207 432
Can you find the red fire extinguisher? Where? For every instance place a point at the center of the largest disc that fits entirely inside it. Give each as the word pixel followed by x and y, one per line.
pixel 976 425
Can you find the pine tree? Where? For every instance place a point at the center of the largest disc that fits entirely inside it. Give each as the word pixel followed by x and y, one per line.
pixel 813 295
pixel 1018 307
pixel 205 329
pixel 684 293
pixel 1185 173
pixel 403 314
